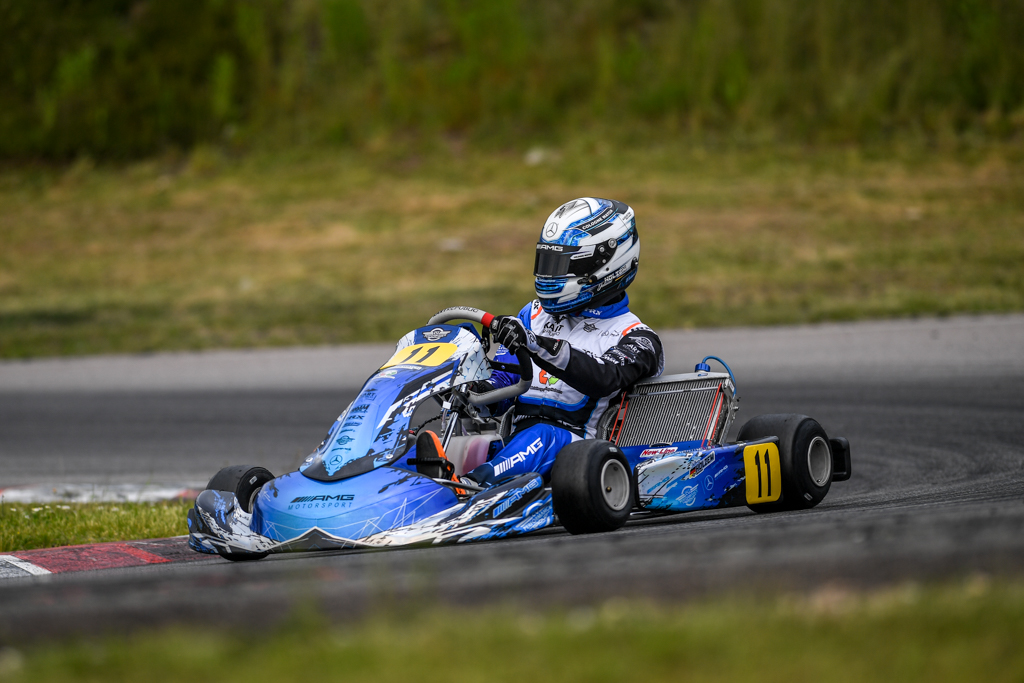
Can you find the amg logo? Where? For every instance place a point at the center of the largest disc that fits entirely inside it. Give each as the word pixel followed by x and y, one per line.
pixel 310 499
pixel 519 457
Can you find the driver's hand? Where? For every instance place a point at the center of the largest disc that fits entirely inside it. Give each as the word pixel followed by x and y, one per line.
pixel 510 332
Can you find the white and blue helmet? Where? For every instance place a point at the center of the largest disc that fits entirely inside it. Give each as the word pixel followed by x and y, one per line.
pixel 587 255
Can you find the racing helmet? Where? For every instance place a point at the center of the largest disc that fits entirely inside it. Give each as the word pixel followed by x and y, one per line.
pixel 587 255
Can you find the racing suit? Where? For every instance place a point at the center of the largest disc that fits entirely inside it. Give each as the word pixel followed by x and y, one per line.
pixel 585 361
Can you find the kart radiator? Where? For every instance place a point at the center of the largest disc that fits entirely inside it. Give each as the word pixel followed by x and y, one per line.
pixel 690 407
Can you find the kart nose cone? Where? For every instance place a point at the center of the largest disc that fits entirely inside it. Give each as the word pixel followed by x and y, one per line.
pixel 384 498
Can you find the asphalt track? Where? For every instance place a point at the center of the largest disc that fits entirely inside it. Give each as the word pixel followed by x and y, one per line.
pixel 934 410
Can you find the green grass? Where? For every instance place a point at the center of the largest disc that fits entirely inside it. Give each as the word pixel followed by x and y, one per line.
pixel 962 632
pixel 116 82
pixel 327 246
pixel 25 527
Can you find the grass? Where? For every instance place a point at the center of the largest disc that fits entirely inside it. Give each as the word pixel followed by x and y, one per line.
pixel 956 632
pixel 26 527
pixel 116 82
pixel 329 246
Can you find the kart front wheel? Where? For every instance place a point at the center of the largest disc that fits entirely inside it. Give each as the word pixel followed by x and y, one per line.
pixel 245 481
pixel 591 487
pixel 805 458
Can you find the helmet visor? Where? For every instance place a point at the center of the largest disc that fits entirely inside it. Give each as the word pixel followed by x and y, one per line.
pixel 569 262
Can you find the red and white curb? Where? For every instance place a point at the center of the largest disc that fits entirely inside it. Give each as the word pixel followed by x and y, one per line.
pixel 98 493
pixel 80 558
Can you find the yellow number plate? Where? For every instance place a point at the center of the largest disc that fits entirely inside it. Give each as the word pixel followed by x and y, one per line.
pixel 764 473
pixel 427 355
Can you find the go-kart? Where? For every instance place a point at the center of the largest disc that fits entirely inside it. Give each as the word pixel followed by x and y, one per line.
pixel 661 449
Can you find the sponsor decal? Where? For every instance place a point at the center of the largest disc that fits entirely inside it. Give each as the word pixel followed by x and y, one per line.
pixel 709 482
pixel 551 327
pixel 514 497
pixel 310 499
pixel 387 374
pixel 721 471
pixel 589 326
pixel 597 220
pixel 435 334
pixel 616 356
pixel 537 520
pixel 518 458
pixel 651 452
pixel 701 466
pixel 547 379
pixel 343 500
pixel 551 247
pixel 689 495
pixel 551 230
pixel 644 343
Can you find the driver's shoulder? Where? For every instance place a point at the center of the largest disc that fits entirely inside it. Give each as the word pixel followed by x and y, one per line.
pixel 529 313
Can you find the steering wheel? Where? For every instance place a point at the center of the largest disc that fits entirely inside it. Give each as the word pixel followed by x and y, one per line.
pixel 522 355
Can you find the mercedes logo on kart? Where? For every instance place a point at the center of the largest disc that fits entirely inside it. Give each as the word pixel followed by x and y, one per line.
pixel 435 334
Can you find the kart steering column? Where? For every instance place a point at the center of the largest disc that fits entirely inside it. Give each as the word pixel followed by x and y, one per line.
pixel 522 355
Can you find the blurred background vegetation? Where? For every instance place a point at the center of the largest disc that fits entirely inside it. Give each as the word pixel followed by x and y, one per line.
pixel 180 175
pixel 117 79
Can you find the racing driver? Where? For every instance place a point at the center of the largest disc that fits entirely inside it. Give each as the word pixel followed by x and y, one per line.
pixel 586 345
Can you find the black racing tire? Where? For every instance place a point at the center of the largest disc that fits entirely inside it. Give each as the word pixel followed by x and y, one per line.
pixel 804 454
pixel 244 481
pixel 591 487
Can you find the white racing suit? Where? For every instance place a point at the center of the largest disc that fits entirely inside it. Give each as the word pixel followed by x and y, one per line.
pixel 584 363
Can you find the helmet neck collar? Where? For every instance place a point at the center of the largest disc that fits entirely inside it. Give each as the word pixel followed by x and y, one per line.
pixel 609 309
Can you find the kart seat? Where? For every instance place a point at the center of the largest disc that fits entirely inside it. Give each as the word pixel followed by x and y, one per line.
pixel 469 452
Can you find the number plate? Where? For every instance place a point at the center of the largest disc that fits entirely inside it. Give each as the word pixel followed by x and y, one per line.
pixel 764 473
pixel 426 355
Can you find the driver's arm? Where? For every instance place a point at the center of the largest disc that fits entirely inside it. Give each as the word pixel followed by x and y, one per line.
pixel 637 355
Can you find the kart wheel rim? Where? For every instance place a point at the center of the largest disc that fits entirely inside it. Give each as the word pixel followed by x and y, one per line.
pixel 252 499
pixel 819 461
pixel 615 484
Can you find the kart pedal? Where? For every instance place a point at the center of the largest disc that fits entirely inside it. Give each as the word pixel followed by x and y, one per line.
pixel 430 459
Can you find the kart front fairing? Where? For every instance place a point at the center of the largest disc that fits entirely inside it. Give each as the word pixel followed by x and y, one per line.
pixel 374 430
pixel 353 491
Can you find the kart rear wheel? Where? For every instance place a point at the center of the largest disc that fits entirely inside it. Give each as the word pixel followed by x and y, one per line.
pixel 591 487
pixel 805 456
pixel 245 481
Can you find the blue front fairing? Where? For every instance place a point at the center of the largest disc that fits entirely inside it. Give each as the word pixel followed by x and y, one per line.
pixel 374 431
pixel 379 500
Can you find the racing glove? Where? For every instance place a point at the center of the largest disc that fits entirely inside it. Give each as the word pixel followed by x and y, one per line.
pixel 510 332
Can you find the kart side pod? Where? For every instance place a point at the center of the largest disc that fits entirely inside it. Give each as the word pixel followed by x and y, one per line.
pixel 780 462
